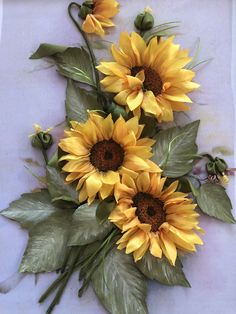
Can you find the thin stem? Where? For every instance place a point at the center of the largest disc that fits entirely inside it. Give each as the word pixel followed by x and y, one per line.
pixel 45 155
pixel 93 59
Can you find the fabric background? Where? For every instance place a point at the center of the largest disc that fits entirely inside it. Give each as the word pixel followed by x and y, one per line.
pixel 30 92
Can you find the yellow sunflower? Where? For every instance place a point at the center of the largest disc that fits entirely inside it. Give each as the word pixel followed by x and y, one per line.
pixel 97 15
pixel 154 218
pixel 149 76
pixel 100 150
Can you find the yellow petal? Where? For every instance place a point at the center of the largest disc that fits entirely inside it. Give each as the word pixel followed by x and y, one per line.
pixel 135 242
pixel 155 248
pixel 110 177
pixel 139 253
pixel 93 184
pixel 135 99
pixel 143 182
pixel 168 248
pixel 150 105
pixel 92 25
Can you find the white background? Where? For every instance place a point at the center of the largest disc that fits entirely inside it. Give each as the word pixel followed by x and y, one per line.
pixel 30 92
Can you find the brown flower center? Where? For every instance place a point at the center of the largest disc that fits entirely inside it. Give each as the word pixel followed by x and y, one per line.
pixel 152 80
pixel 149 210
pixel 107 155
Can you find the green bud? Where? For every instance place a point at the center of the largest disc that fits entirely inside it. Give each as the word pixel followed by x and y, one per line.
pixel 221 165
pixel 116 111
pixel 42 140
pixel 211 168
pixel 85 9
pixel 144 21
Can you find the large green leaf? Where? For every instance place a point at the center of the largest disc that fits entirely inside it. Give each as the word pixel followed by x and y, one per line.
pixel 47 244
pixel 119 285
pixel 175 149
pixel 57 187
pixel 160 269
pixel 75 63
pixel 48 227
pixel 213 201
pixel 47 50
pixel 30 209
pixel 85 227
pixel 78 101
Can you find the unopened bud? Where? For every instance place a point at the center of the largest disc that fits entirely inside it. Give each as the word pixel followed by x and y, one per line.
pixel 116 111
pixel 85 9
pixel 144 21
pixel 221 165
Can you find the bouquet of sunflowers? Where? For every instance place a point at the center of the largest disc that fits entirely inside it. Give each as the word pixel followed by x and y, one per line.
pixel 121 200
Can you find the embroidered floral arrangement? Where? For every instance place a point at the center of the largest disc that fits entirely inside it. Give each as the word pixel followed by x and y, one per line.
pixel 122 198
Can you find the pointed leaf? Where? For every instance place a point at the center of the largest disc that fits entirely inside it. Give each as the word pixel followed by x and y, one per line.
pixel 75 63
pixel 78 101
pixel 175 149
pixel 57 187
pixel 213 201
pixel 47 244
pixel 160 269
pixel 47 50
pixel 30 209
pixel 85 227
pixel 119 285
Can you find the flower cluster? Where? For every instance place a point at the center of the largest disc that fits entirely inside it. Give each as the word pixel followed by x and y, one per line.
pixel 122 197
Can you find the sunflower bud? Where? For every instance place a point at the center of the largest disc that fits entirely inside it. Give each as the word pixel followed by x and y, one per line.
pixel 144 21
pixel 221 165
pixel 211 168
pixel 116 111
pixel 86 8
pixel 224 179
pixel 41 139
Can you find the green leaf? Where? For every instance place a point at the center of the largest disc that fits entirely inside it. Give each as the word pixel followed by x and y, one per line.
pixel 53 161
pixel 175 149
pixel 85 227
pixel 104 208
pixel 78 101
pixel 213 201
pixel 119 285
pixel 57 187
pixel 48 227
pixel 75 63
pixel 30 209
pixel 47 244
pixel 47 50
pixel 160 269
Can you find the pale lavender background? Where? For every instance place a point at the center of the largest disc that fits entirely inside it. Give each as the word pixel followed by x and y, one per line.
pixel 29 93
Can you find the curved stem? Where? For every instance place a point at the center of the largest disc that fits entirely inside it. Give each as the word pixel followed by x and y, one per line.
pixel 93 59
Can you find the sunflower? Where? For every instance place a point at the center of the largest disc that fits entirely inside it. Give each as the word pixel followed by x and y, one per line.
pixel 99 151
pixel 97 14
pixel 150 76
pixel 154 218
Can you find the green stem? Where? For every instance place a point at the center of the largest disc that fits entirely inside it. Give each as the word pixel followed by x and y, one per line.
pixel 61 289
pixel 93 59
pixel 45 156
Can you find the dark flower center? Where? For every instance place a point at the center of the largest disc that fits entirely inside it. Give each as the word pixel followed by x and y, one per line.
pixel 152 80
pixel 149 210
pixel 107 155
